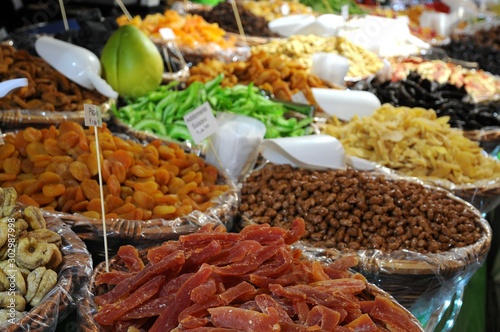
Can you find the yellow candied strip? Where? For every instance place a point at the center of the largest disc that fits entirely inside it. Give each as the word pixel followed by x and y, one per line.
pixel 415 142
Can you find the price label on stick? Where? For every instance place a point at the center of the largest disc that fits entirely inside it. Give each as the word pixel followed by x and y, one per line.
pixel 92 114
pixel 2 142
pixel 201 122
pixel 345 12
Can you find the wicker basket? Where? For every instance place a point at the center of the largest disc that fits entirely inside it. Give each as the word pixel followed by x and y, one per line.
pixel 488 137
pixel 87 323
pixel 73 276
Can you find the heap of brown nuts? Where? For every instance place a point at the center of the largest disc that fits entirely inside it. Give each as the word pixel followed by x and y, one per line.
pixel 29 256
pixel 352 210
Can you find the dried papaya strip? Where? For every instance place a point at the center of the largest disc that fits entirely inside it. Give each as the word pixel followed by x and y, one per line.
pixel 111 312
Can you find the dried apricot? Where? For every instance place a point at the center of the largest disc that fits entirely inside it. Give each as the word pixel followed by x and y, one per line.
pixel 122 157
pixel 68 140
pixel 175 185
pixel 32 134
pixel 49 178
pixel 79 206
pixel 41 199
pixel 90 188
pixel 35 148
pixel 113 202
pixel 53 190
pixel 95 205
pixel 125 208
pixel 114 185
pixel 7 176
pixel 162 210
pixel 12 165
pixel 162 176
pixel 144 200
pixel 53 148
pixel 93 164
pixel 119 171
pixel 79 170
pixel 70 126
pixel 91 214
pixel 148 187
pixel 26 200
pixel 142 171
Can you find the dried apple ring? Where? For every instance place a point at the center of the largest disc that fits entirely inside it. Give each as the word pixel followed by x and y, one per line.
pixel 34 218
pixel 32 253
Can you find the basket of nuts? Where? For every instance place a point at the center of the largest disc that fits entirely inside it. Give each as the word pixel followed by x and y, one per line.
pixel 43 266
pixel 417 242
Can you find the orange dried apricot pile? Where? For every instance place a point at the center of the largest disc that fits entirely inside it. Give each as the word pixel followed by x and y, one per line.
pixel 56 168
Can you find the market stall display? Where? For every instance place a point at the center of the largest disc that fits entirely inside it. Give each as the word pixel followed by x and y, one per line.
pixel 480 85
pixel 362 63
pixel 412 240
pixel 49 97
pixel 42 270
pixel 252 280
pixel 171 105
pixel 415 142
pixel 152 191
pixel 279 75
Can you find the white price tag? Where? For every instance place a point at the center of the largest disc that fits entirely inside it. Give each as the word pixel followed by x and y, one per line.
pixel 300 98
pixel 2 142
pixel 92 114
pixel 345 12
pixel 167 34
pixel 201 122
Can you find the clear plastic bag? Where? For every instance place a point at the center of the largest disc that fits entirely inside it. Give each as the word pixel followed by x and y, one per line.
pixel 73 276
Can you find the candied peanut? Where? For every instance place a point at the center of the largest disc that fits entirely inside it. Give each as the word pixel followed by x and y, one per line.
pixel 53 190
pixel 12 165
pixel 79 170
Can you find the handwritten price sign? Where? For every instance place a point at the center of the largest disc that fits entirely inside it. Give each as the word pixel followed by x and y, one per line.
pixel 92 114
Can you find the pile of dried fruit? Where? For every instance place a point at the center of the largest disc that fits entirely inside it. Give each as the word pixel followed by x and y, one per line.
pixel 247 281
pixel 446 99
pixel 47 89
pixel 56 168
pixel 280 76
pixel 29 256
pixel 480 85
pixel 223 15
pixel 352 210
pixel 362 62
pixel 274 9
pixel 415 142
pixel 190 30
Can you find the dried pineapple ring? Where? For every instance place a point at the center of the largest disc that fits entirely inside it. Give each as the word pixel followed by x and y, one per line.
pixel 56 258
pixel 4 229
pixel 9 201
pixel 33 280
pixel 6 299
pixel 46 235
pixel 49 280
pixel 32 253
pixel 34 217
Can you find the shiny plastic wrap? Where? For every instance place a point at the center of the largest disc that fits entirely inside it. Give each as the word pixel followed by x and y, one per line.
pixel 89 308
pixel 23 118
pixel 425 284
pixel 73 276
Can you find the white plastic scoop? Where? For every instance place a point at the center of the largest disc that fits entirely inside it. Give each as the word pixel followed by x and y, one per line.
pixel 7 86
pixel 313 151
pixel 76 63
pixel 345 104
